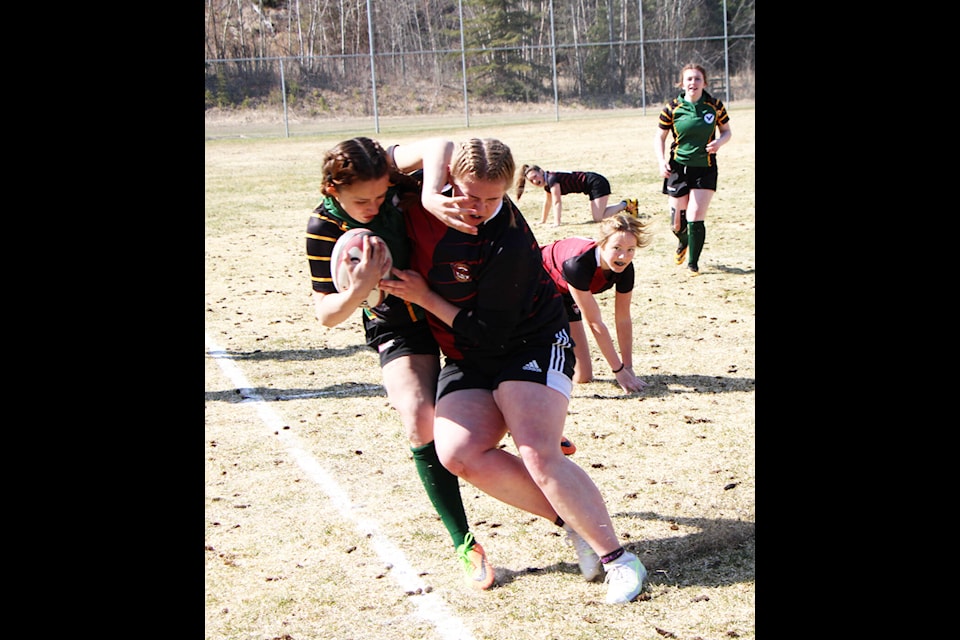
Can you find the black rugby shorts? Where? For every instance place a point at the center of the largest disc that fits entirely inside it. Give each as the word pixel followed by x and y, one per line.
pixel 683 178
pixel 549 365
pixel 406 340
pixel 599 185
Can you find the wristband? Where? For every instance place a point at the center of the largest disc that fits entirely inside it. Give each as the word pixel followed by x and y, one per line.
pixel 622 365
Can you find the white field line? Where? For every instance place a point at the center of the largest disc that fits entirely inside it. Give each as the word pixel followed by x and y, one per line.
pixel 431 608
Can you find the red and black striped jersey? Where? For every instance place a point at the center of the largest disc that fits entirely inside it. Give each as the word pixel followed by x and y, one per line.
pixel 569 181
pixel 573 262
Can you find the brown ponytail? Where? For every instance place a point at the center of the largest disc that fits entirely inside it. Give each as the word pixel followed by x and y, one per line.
pixel 522 180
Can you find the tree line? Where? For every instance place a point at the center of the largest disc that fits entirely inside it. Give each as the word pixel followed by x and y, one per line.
pixel 592 51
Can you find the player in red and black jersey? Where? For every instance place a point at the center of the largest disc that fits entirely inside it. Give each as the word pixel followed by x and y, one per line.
pixel 690 170
pixel 560 183
pixel 471 270
pixel 509 358
pixel 581 268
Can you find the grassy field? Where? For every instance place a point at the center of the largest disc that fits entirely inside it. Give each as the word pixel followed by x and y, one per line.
pixel 315 523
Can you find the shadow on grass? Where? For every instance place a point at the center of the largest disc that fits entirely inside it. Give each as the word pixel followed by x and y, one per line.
pixel 657 386
pixel 340 390
pixel 733 270
pixel 720 554
pixel 301 355
pixel 664 385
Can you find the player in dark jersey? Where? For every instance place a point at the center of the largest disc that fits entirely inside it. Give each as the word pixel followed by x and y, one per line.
pixel 689 167
pixel 581 268
pixel 360 191
pixel 501 324
pixel 560 183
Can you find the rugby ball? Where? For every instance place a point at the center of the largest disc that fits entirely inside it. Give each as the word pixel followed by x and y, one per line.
pixel 347 253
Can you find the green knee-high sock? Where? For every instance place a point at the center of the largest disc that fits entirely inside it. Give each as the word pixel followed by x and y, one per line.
pixel 682 234
pixel 444 490
pixel 698 233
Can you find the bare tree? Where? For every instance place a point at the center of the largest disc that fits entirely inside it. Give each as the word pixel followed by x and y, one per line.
pixel 509 53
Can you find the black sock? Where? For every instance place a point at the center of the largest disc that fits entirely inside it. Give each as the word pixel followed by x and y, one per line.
pixel 610 557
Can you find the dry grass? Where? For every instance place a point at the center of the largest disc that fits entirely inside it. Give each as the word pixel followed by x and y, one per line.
pixel 676 463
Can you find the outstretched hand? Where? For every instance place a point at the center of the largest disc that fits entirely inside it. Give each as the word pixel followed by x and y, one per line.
pixel 449 210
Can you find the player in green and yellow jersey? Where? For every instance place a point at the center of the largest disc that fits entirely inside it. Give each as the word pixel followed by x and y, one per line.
pixel 689 165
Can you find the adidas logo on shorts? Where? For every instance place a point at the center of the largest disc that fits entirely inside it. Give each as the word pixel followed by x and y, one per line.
pixel 532 366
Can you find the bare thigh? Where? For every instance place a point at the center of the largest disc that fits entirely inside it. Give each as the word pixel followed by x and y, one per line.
pixel 699 201
pixel 598 207
pixel 534 413
pixel 468 422
pixel 411 384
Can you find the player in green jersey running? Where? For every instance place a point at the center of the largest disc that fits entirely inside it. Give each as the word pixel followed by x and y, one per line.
pixel 689 164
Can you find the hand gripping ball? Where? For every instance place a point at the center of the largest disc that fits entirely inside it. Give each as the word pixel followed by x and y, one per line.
pixel 347 253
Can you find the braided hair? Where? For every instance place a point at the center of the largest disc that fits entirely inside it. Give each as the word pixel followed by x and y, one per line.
pixel 486 159
pixel 363 159
pixel 355 160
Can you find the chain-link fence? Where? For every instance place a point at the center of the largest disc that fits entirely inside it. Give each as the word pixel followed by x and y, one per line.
pixel 459 86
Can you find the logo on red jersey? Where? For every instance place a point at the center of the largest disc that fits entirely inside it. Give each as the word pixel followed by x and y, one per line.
pixel 461 272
